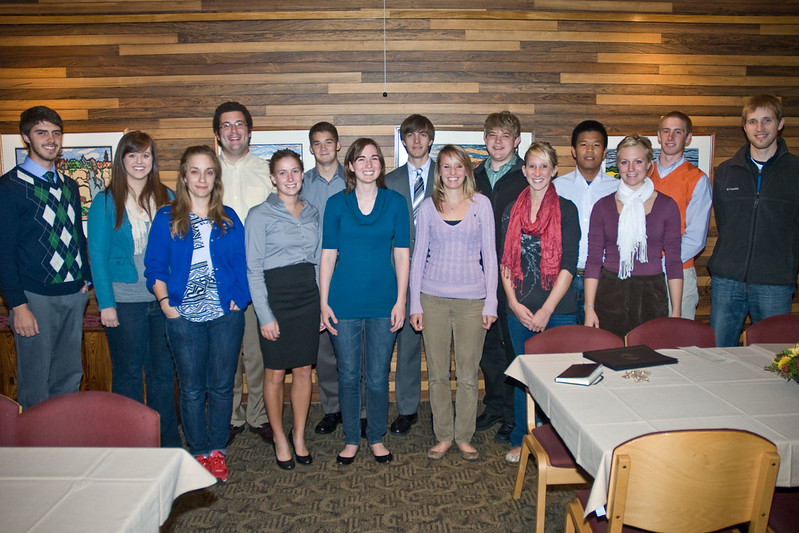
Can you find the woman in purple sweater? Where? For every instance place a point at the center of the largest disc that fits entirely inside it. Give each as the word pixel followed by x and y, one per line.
pixel 453 292
pixel 630 231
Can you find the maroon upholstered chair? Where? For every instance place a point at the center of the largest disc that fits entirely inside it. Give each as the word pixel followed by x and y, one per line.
pixel 784 510
pixel 671 332
pixel 9 411
pixel 777 329
pixel 556 466
pixel 91 419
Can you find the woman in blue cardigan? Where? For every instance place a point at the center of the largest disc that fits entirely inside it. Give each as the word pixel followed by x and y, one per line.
pixel 119 223
pixel 195 265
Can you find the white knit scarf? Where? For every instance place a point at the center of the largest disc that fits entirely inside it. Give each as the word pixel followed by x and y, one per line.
pixel 139 222
pixel 632 225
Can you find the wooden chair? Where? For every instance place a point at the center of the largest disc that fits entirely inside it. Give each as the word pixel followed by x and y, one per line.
pixel 681 481
pixel 670 332
pixel 89 418
pixel 555 465
pixel 777 329
pixel 9 411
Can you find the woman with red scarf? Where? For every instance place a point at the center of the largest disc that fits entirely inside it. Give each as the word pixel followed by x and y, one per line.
pixel 541 234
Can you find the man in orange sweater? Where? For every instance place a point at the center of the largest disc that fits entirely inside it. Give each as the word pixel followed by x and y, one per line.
pixel 674 176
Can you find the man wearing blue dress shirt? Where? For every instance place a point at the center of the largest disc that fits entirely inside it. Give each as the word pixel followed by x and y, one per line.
pixel 414 181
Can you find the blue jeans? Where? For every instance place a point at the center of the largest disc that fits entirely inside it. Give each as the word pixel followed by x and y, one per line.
pixel 578 284
pixel 518 336
pixel 376 336
pixel 731 300
pixel 138 344
pixel 206 355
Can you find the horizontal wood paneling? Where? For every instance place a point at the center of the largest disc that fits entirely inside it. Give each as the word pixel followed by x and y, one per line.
pixel 164 66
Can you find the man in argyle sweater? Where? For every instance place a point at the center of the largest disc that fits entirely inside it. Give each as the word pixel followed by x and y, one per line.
pixel 44 269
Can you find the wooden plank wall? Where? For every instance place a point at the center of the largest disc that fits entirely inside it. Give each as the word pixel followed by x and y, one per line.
pixel 164 66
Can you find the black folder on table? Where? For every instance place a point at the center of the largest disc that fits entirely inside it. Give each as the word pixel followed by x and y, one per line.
pixel 638 356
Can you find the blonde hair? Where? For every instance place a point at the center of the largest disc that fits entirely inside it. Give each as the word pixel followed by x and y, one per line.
pixel 637 140
pixel 460 155
pixel 181 207
pixel 543 150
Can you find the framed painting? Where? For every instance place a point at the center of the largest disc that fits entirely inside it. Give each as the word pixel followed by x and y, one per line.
pixel 85 157
pixel 265 143
pixel 699 152
pixel 471 141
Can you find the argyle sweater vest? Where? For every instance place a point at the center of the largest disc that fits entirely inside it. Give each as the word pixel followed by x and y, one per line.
pixel 679 185
pixel 51 248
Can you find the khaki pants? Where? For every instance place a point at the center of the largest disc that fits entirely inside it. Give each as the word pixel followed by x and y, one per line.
pixel 448 320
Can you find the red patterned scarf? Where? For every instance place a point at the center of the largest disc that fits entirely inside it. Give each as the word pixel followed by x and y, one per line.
pixel 546 225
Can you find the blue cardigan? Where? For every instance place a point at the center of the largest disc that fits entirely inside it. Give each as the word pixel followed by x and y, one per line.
pixel 110 251
pixel 169 260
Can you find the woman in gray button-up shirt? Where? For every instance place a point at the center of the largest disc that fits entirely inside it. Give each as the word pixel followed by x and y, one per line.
pixel 282 258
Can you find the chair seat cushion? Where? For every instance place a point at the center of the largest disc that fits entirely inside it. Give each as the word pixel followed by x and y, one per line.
pixel 784 511
pixel 559 455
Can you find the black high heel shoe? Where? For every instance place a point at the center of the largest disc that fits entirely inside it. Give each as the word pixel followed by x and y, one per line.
pixel 285 465
pixel 302 459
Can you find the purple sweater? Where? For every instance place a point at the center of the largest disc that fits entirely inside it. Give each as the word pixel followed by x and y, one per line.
pixel 662 234
pixel 457 261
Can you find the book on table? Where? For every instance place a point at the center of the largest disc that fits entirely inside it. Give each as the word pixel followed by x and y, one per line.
pixel 581 374
pixel 629 357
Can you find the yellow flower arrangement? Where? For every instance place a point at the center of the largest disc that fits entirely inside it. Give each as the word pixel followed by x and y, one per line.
pixel 786 363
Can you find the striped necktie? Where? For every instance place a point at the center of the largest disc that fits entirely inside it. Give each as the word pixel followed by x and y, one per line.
pixel 418 193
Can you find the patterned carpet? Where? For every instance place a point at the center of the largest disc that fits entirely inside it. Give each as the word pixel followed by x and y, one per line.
pixel 410 494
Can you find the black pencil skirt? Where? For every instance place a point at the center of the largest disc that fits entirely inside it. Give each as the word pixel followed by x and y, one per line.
pixel 294 299
pixel 622 304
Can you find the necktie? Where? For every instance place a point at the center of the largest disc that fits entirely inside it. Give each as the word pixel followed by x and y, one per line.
pixel 418 193
pixel 49 176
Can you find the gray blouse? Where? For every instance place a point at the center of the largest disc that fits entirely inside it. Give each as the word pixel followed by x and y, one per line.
pixel 276 239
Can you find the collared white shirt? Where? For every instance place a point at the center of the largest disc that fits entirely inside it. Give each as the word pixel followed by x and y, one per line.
pixel 412 175
pixel 584 194
pixel 246 183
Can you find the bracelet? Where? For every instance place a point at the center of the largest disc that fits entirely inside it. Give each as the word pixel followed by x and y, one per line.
pixel 162 299
pixel 586 306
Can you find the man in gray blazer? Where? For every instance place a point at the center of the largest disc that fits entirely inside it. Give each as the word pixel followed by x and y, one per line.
pixel 414 181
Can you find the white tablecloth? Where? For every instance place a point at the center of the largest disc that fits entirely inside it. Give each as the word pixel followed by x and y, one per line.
pixel 93 489
pixel 708 388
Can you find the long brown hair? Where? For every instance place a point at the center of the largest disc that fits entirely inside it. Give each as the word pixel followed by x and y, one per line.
pixel 135 141
pixel 181 207
pixel 354 151
pixel 460 155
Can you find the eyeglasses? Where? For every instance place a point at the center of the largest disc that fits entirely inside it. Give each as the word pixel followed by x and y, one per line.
pixel 228 125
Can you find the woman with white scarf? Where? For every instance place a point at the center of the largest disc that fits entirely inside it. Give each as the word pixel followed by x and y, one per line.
pixel 630 232
pixel 118 229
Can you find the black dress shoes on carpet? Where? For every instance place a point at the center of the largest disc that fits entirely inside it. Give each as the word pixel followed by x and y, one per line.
pixel 503 433
pixel 264 431
pixel 402 425
pixel 232 431
pixel 486 420
pixel 328 424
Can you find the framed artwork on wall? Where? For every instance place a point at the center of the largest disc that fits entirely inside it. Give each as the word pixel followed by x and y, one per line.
pixel 265 143
pixel 699 152
pixel 471 141
pixel 85 157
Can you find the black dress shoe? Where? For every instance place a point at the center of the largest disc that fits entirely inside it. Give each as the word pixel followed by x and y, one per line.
pixel 402 424
pixel 302 459
pixel 232 431
pixel 486 420
pixel 328 424
pixel 503 433
pixel 345 460
pixel 285 465
pixel 264 431
pixel 363 428
pixel 383 459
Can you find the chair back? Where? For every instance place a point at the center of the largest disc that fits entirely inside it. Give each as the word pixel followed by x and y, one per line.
pixel 702 480
pixel 566 339
pixel 776 329
pixel 89 419
pixel 9 411
pixel 671 332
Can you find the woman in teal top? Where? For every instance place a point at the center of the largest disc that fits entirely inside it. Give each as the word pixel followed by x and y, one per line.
pixel 362 294
pixel 118 228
